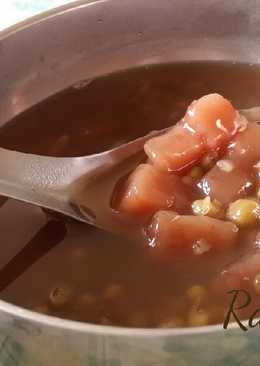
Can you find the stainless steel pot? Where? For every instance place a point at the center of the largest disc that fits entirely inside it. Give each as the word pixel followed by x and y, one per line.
pixel 49 53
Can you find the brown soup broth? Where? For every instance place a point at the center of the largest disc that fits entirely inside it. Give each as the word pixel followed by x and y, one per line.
pixel 64 268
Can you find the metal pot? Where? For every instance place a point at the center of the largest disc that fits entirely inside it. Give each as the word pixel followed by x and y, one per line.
pixel 88 38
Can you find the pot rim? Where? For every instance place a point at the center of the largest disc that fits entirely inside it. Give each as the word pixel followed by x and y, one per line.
pixel 55 322
pixel 107 330
pixel 47 14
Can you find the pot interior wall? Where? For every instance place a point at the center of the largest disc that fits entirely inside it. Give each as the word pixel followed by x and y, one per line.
pixel 96 38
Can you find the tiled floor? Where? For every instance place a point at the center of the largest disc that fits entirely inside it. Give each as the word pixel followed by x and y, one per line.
pixel 13 11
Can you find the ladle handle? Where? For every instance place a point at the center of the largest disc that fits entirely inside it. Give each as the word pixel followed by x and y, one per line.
pixel 38 180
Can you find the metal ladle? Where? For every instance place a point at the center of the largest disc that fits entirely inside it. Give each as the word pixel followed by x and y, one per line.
pixel 70 185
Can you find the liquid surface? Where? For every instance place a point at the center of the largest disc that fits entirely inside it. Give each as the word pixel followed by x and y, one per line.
pixel 71 270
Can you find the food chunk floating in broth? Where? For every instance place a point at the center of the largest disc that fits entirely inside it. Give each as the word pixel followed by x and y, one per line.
pixel 148 190
pixel 209 123
pixel 175 150
pixel 172 236
pixel 214 119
